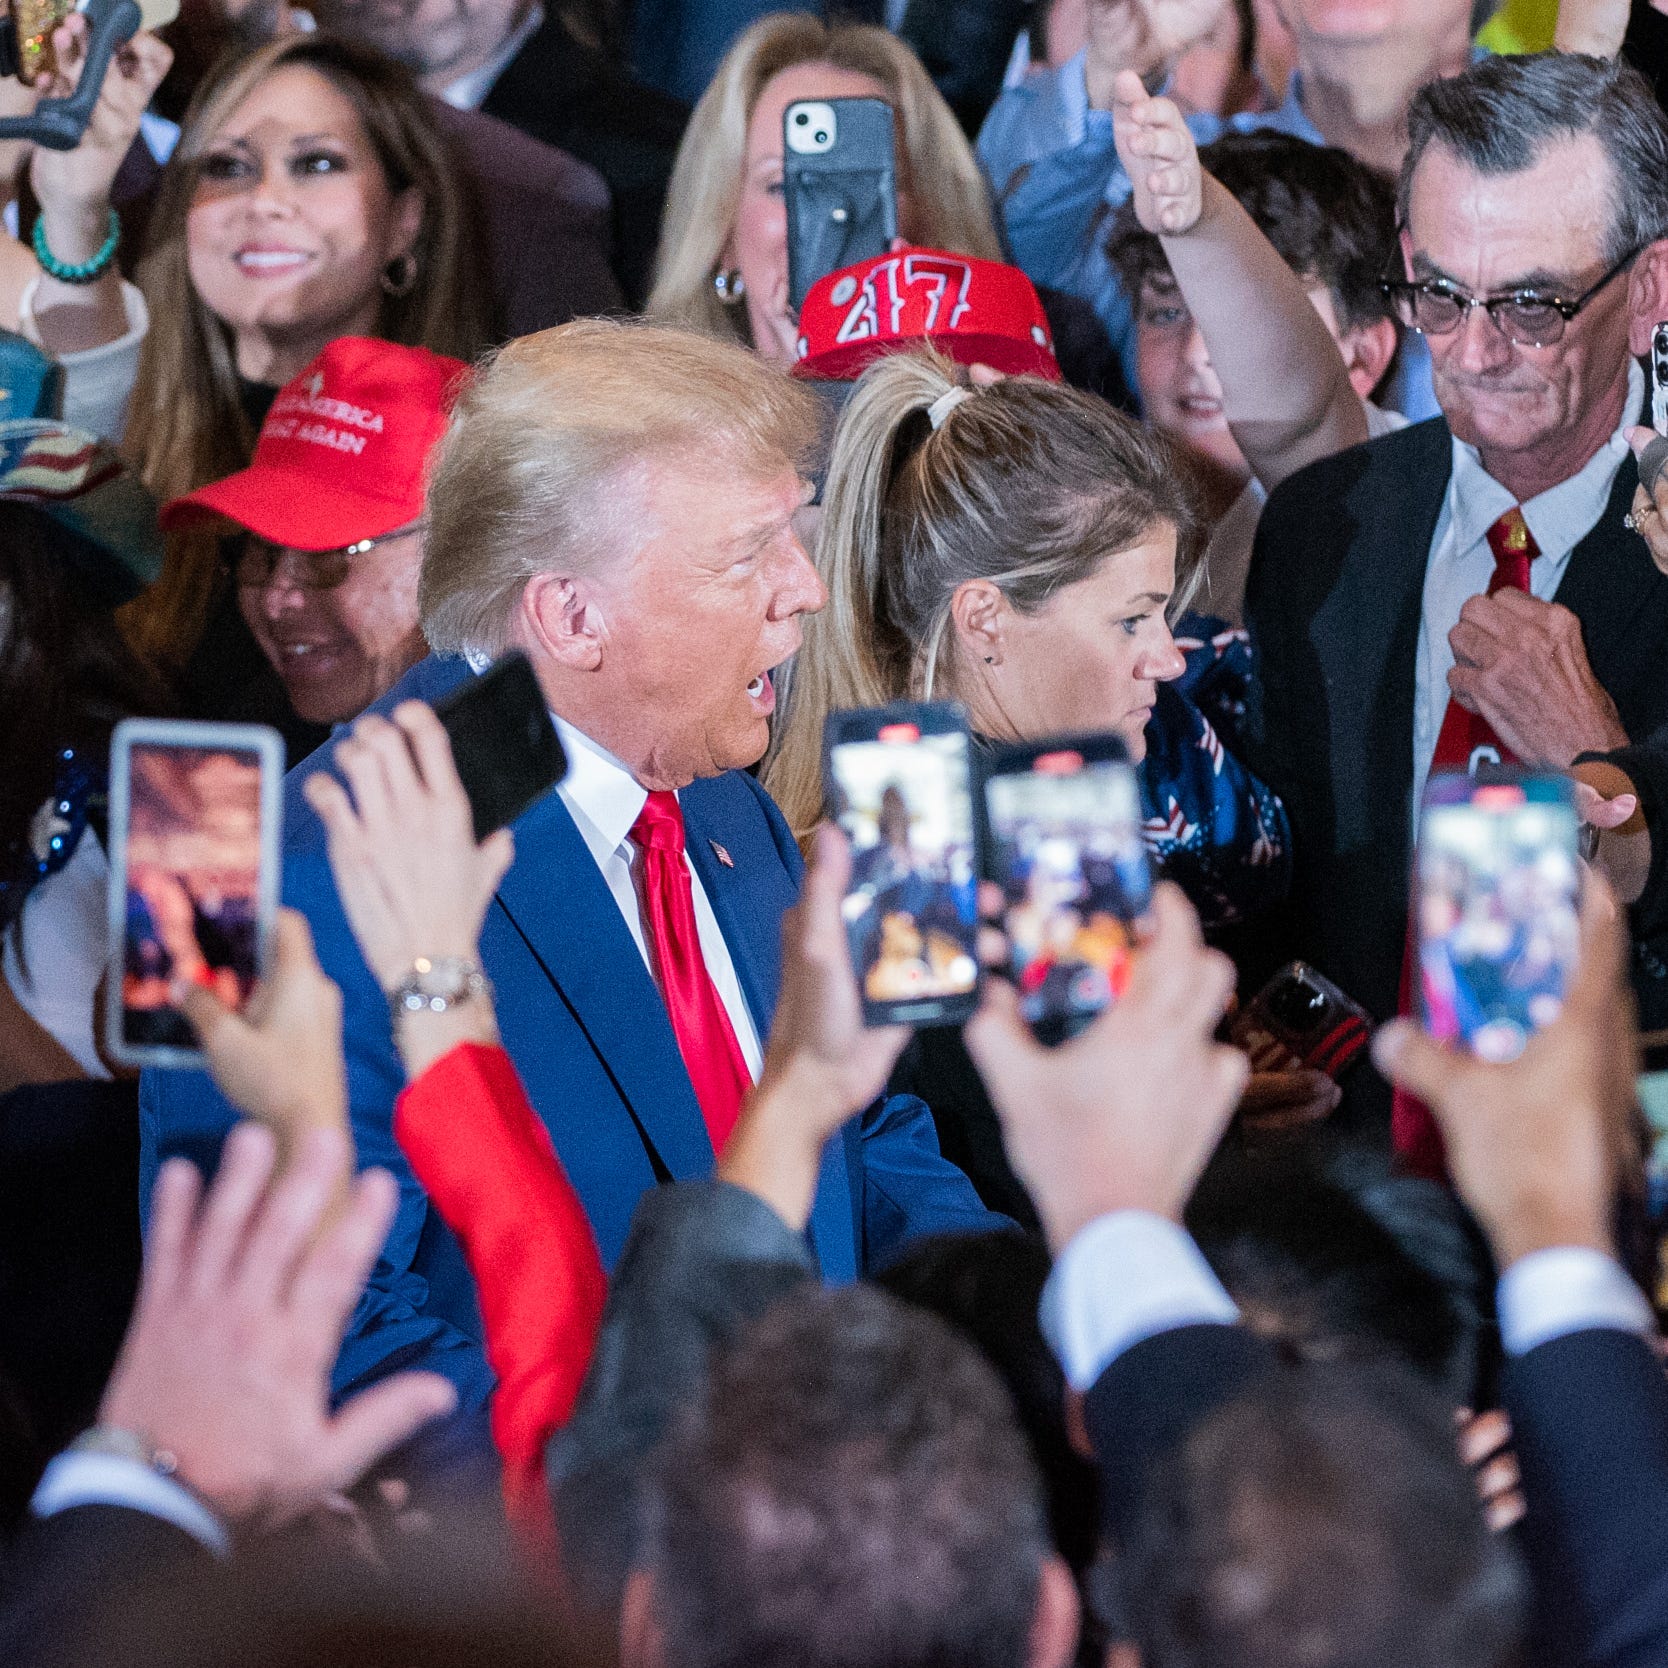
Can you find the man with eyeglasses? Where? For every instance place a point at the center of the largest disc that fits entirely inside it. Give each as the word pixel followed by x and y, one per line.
pixel 1466 591
pixel 326 528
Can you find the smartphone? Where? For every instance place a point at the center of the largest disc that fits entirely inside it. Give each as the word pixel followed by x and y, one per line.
pixel 1300 1018
pixel 1659 378
pixel 840 177
pixel 195 816
pixel 29 25
pixel 1497 876
pixel 503 742
pixel 900 783
pixel 1061 836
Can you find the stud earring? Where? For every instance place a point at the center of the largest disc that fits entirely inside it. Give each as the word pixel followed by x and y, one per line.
pixel 729 286
pixel 400 274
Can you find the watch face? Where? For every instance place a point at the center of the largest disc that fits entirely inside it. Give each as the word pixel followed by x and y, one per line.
pixel 438 984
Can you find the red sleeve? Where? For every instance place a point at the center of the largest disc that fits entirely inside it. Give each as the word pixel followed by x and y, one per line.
pixel 486 1161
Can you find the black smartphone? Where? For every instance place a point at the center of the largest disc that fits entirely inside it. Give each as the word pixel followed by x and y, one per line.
pixel 1300 1018
pixel 840 178
pixel 1497 879
pixel 195 818
pixel 900 782
pixel 503 741
pixel 1659 378
pixel 1061 835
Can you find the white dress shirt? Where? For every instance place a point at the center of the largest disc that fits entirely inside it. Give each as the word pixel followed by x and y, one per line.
pixel 469 92
pixel 1129 1275
pixel 604 800
pixel 1461 563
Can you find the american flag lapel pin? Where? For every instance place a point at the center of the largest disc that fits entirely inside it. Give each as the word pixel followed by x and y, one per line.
pixel 722 855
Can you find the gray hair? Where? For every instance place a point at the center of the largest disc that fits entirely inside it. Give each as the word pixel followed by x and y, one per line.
pixel 528 477
pixel 1501 113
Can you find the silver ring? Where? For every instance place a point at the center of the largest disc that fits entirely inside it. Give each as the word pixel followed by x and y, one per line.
pixel 1629 523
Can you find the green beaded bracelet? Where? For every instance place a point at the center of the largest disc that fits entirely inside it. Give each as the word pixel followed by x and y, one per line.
pixel 87 271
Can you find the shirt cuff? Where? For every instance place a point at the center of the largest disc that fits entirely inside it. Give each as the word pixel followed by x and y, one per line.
pixel 1124 1278
pixel 1568 1288
pixel 75 1479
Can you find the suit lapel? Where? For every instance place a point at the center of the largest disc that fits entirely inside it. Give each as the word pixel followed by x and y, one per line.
pixel 1376 620
pixel 751 925
pixel 750 915
pixel 1615 591
pixel 561 906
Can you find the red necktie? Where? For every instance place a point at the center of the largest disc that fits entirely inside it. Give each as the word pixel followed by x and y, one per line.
pixel 706 1039
pixel 1413 1132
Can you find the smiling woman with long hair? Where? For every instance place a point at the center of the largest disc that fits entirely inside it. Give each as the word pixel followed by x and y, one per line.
pixel 311 196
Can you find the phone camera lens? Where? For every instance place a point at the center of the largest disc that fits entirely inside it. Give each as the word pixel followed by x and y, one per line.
pixel 801 118
pixel 1297 1005
pixel 820 137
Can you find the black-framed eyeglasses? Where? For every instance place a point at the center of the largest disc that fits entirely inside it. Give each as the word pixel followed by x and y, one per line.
pixel 254 561
pixel 1434 307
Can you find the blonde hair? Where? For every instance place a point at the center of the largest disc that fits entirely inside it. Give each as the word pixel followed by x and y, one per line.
pixel 521 482
pixel 187 425
pixel 951 201
pixel 1028 484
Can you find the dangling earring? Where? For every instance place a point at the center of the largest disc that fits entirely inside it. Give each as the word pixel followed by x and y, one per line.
pixel 400 274
pixel 730 287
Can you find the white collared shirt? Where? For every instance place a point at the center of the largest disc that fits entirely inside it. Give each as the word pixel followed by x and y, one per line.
pixel 605 799
pixel 469 92
pixel 1461 563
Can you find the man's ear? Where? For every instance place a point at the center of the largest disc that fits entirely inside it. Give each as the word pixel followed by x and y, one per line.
pixel 1367 353
pixel 1058 1617
pixel 563 622
pixel 642 1643
pixel 1647 297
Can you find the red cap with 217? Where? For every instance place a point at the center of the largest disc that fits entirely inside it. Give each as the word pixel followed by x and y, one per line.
pixel 342 455
pixel 975 312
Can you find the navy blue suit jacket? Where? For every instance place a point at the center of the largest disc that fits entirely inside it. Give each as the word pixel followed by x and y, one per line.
pixel 588 1031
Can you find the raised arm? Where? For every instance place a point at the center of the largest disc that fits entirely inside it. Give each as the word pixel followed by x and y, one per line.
pixel 1286 390
pixel 416 887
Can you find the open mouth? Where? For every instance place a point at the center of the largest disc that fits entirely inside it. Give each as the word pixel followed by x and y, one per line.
pixel 762 693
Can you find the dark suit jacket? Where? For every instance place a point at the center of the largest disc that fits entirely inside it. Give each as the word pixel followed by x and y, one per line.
pixel 1153 1396
pixel 1333 606
pixel 703 1262
pixel 61 1572
pixel 589 1033
pixel 575 96
pixel 1589 1418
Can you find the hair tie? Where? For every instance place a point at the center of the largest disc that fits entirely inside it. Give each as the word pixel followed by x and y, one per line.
pixel 945 404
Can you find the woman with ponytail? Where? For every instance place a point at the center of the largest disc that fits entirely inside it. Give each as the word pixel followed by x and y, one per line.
pixel 1021 548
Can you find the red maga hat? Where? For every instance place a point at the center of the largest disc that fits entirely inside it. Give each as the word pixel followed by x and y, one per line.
pixel 975 312
pixel 342 453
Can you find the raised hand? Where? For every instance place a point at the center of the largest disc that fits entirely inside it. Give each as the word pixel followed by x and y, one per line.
pixel 1126 1115
pixel 410 875
pixel 1159 156
pixel 1143 36
pixel 74 186
pixel 822 1064
pixel 1649 514
pixel 280 1060
pixel 241 1310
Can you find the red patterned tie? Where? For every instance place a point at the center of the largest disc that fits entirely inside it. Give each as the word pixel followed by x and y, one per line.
pixel 706 1039
pixel 1413 1131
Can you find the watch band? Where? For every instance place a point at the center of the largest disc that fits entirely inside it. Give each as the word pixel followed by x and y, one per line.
pixel 126 1444
pixel 436 983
